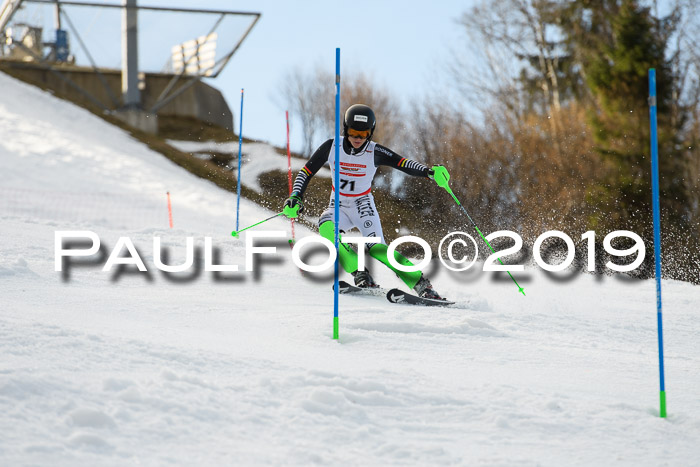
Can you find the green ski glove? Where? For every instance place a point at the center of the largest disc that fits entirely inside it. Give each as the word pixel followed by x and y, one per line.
pixel 441 176
pixel 293 206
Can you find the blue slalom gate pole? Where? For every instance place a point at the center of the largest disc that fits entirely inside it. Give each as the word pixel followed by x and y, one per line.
pixel 657 233
pixel 336 184
pixel 240 142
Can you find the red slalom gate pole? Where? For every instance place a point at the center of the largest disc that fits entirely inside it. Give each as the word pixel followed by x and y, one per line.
pixel 170 211
pixel 289 167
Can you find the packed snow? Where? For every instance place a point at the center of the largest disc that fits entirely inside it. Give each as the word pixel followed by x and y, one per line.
pixel 238 368
pixel 256 158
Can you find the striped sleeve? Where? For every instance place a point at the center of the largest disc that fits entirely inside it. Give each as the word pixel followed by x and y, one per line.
pixel 385 156
pixel 319 157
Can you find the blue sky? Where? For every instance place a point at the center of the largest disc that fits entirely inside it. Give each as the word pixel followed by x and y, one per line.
pixel 403 45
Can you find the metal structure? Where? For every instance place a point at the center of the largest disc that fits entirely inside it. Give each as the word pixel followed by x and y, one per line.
pixel 131 100
pixel 130 56
pixel 195 57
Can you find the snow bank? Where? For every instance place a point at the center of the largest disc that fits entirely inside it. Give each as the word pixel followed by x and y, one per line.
pixel 240 368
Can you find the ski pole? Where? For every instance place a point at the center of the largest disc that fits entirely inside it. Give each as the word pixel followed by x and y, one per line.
pixel 442 178
pixel 236 233
pixel 289 174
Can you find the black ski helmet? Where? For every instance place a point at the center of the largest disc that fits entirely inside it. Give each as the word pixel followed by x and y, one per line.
pixel 361 118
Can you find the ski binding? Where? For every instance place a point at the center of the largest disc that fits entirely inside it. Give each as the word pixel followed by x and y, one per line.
pixel 399 296
pixel 346 288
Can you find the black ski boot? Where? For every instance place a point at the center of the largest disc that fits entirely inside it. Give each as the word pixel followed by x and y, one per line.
pixel 425 289
pixel 364 280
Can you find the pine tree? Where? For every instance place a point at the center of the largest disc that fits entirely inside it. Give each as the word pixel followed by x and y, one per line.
pixel 615 42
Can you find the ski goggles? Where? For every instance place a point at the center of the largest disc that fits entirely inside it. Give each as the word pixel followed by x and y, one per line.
pixel 358 134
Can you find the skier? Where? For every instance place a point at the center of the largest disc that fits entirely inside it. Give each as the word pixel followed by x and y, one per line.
pixel 359 159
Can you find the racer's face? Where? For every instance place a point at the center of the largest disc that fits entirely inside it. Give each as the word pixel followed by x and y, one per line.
pixel 357 138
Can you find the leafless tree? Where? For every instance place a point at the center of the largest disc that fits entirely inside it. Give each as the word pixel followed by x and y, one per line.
pixel 310 97
pixel 512 39
pixel 302 94
pixel 686 96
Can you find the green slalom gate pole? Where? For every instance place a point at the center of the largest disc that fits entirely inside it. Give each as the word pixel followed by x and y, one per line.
pixel 657 235
pixel 236 233
pixel 336 184
pixel 442 178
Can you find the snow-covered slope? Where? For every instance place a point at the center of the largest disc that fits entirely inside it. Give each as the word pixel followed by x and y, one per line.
pixel 106 368
pixel 257 158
